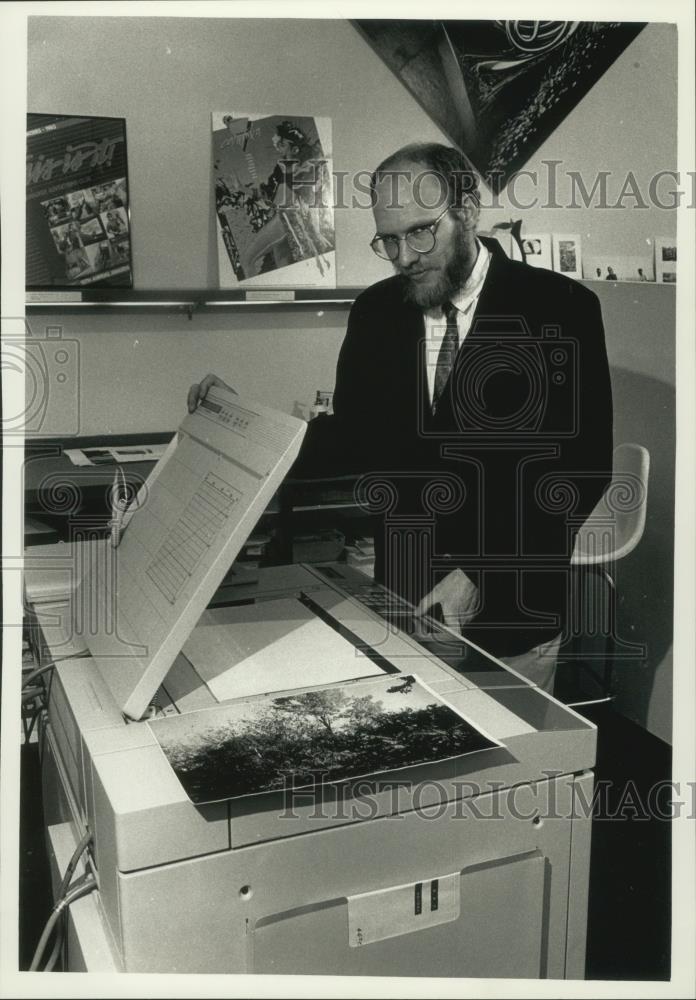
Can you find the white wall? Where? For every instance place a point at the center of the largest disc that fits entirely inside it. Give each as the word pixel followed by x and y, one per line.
pixel 166 76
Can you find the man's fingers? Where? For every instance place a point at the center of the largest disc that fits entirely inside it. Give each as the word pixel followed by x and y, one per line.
pixel 192 398
pixel 427 603
pixel 424 606
pixel 210 380
pixel 199 390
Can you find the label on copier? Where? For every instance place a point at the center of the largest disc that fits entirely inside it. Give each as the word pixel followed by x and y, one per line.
pixel 402 909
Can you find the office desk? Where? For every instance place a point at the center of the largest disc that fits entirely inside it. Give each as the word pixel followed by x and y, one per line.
pixel 66 497
pixel 65 502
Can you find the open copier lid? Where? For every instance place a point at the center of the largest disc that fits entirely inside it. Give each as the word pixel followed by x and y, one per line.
pixel 138 602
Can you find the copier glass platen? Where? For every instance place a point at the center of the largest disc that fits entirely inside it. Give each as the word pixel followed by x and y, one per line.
pixel 471 866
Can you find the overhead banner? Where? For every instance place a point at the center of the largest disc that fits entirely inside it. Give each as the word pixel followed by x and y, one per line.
pixel 498 89
pixel 273 200
pixel 78 220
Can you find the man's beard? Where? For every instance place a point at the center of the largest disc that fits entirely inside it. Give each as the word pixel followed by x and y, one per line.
pixel 453 276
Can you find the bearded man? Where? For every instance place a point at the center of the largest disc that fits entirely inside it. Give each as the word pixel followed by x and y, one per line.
pixel 473 393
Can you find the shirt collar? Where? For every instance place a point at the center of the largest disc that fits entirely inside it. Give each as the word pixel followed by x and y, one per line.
pixel 471 288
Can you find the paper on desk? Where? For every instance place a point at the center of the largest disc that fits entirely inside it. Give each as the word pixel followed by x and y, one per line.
pixel 117 455
pixel 272 646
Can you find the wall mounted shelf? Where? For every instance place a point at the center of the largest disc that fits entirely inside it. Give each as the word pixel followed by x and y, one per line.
pixel 188 300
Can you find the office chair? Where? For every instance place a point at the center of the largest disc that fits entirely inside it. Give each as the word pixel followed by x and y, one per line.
pixel 612 530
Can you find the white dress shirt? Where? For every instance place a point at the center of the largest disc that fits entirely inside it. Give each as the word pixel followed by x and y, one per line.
pixel 465 300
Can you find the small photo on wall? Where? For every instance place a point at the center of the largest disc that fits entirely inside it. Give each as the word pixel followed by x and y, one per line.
pixel 666 259
pixel 567 255
pixel 618 268
pixel 537 250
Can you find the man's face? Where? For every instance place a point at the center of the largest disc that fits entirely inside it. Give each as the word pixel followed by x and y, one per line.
pixel 414 199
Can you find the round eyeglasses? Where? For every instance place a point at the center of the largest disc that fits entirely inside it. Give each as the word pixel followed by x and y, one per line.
pixel 422 239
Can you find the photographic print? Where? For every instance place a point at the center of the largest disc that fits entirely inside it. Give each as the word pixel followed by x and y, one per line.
pixel 322 735
pixel 76 175
pixel 567 256
pixel 91 231
pixel 82 205
pixel 273 200
pixel 537 250
pixel 666 259
pixel 498 89
pixel 112 195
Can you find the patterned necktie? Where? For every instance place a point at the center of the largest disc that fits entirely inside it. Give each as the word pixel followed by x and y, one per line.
pixel 448 352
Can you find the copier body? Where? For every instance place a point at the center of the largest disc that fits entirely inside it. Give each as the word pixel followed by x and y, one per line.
pixel 476 866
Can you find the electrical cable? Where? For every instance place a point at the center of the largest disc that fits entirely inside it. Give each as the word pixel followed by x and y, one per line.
pixel 34 698
pixel 65 896
pixel 37 672
pixel 81 888
pixel 43 940
pixel 82 846
pixel 57 945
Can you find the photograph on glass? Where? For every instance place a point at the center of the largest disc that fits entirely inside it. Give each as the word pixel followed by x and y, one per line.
pixel 317 736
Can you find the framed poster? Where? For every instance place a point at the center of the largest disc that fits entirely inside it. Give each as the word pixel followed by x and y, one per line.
pixel 273 200
pixel 567 255
pixel 78 218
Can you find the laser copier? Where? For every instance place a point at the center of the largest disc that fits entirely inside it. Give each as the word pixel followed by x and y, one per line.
pixel 473 866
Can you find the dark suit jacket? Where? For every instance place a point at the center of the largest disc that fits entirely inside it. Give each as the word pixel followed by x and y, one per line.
pixel 499 480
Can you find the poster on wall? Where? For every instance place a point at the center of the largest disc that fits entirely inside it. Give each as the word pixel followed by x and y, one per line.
pixel 273 200
pixel 498 89
pixel 78 219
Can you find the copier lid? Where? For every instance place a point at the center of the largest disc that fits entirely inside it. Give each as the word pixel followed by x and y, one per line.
pixel 138 603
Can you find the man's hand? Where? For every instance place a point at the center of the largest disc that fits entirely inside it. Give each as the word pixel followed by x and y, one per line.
pixel 199 390
pixel 457 596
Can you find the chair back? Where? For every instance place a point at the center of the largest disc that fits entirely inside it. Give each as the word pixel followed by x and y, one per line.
pixel 616 524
